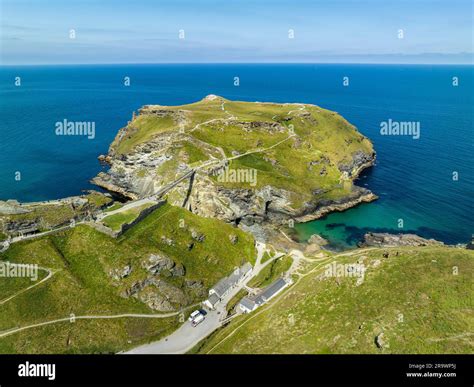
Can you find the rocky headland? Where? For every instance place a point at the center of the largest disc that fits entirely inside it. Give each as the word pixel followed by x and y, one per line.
pixel 306 160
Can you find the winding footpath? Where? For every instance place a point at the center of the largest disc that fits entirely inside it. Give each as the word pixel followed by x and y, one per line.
pixel 73 318
pixel 50 274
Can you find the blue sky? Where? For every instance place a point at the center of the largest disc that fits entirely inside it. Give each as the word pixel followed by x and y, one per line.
pixel 146 31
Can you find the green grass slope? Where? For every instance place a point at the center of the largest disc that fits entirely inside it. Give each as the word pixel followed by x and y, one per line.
pixel 415 299
pixel 116 221
pixel 82 259
pixel 271 272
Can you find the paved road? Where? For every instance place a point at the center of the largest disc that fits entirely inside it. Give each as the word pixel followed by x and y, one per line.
pixel 187 336
pixel 183 339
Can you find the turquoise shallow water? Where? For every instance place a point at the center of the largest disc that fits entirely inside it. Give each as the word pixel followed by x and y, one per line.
pixel 413 178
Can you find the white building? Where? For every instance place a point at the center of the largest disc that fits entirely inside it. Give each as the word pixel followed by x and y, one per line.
pixel 226 284
pixel 249 304
pixel 212 301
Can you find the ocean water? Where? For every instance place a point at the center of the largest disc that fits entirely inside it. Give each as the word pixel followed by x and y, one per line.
pixel 413 177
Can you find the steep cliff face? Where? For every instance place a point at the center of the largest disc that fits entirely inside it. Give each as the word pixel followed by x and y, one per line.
pixel 247 163
pixel 268 204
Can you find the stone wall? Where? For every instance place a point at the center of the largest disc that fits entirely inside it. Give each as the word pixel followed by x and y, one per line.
pixel 143 214
pixel 103 229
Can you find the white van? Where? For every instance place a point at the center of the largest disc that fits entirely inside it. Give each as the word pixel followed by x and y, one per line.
pixel 198 320
pixel 194 315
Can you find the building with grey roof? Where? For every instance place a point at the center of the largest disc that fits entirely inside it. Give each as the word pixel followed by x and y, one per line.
pixel 226 284
pixel 249 304
pixel 212 301
pixel 246 269
pixel 272 290
pixel 223 287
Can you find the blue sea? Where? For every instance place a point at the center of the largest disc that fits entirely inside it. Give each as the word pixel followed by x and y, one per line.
pixel 413 178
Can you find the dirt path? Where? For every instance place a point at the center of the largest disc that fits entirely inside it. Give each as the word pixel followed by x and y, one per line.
pixel 261 150
pixel 91 317
pixel 127 206
pixel 50 274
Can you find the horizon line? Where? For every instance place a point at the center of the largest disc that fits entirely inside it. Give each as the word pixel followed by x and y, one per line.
pixel 236 63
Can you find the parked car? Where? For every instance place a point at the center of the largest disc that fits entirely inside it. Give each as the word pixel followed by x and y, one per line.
pixel 194 315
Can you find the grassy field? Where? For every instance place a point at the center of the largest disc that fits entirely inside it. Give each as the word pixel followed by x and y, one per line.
pixel 116 221
pixel 271 272
pixel 114 207
pixel 268 254
pixel 415 299
pixel 142 129
pixel 97 199
pixel 82 260
pixel 88 336
pixel 235 300
pixel 11 285
pixel 51 215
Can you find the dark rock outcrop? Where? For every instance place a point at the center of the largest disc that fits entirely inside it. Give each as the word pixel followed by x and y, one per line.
pixel 159 264
pixel 158 294
pixel 392 240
